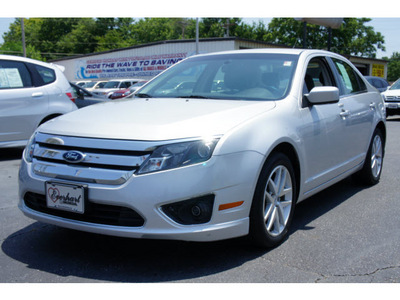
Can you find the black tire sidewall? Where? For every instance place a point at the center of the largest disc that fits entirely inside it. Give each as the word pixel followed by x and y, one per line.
pixel 258 231
pixel 366 172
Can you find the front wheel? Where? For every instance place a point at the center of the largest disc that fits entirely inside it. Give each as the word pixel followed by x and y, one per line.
pixel 372 169
pixel 274 201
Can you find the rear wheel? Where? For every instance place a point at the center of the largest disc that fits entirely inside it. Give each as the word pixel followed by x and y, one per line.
pixel 274 201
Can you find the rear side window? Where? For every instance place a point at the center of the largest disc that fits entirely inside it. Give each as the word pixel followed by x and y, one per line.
pixel 47 75
pixel 351 82
pixel 14 74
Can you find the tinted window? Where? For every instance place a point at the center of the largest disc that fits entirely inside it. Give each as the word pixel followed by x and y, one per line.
pixel 377 83
pixel 111 84
pixel 395 86
pixel 351 82
pixel 14 74
pixel 47 75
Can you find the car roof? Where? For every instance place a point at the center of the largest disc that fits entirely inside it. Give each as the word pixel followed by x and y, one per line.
pixel 32 61
pixel 24 59
pixel 292 51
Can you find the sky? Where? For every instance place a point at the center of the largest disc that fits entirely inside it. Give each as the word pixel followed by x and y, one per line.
pixel 384 20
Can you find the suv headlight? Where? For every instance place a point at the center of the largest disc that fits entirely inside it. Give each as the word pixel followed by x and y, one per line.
pixel 30 148
pixel 178 155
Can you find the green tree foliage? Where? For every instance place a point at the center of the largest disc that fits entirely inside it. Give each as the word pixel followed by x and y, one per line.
pixel 393 66
pixel 51 38
pixel 353 37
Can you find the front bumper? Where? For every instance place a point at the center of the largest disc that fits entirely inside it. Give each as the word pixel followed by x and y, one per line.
pixel 230 178
pixel 392 105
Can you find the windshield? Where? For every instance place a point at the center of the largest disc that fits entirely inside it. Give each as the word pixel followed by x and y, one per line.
pixel 111 84
pixel 244 76
pixel 395 86
pixel 89 84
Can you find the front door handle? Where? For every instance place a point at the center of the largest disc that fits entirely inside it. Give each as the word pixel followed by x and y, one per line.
pixel 372 106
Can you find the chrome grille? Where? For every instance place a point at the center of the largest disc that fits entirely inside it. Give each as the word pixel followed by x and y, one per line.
pixel 106 161
pixel 392 98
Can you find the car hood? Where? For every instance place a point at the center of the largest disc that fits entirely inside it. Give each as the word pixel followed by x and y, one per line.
pixel 156 119
pixel 391 93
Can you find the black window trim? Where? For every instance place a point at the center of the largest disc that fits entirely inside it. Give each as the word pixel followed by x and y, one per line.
pixel 28 72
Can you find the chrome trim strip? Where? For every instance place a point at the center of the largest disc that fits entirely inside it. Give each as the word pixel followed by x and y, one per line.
pixel 91 158
pixel 91 175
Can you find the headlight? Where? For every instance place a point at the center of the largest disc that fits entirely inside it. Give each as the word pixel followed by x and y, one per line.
pixel 29 149
pixel 178 155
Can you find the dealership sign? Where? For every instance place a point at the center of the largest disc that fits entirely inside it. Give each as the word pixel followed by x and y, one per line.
pixel 124 67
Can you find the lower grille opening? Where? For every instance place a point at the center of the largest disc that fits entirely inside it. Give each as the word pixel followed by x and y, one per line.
pixel 94 213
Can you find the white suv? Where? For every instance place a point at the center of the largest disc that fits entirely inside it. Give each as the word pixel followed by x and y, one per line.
pixel 31 93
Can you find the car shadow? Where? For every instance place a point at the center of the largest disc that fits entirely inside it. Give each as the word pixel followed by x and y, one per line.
pixel 65 252
pixel 10 153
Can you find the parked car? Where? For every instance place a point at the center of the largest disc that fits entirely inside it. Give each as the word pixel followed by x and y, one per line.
pixel 81 82
pixel 31 93
pixel 90 86
pixel 83 97
pixel 379 83
pixel 127 92
pixel 207 163
pixel 114 85
pixel 392 99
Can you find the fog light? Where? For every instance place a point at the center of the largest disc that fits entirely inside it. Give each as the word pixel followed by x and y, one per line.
pixel 196 211
pixel 192 211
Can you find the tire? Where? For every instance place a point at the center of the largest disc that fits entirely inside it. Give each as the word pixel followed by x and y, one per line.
pixel 273 203
pixel 371 172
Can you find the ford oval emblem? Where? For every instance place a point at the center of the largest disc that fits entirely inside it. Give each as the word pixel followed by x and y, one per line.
pixel 74 156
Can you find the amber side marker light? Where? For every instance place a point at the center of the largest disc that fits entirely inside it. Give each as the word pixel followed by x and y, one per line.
pixel 230 205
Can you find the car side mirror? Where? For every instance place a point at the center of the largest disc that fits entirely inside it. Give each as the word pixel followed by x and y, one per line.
pixel 323 95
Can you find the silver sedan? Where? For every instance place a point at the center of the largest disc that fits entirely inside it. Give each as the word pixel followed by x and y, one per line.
pixel 218 146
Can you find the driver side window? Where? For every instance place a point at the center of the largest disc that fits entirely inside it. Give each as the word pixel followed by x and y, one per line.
pixel 317 74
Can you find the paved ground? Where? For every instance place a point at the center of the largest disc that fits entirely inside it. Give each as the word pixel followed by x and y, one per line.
pixel 345 234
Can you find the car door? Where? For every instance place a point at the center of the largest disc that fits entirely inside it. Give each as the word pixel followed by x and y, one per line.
pixel 357 113
pixel 21 104
pixel 322 128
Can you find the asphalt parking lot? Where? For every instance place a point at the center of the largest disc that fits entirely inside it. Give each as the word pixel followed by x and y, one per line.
pixel 346 234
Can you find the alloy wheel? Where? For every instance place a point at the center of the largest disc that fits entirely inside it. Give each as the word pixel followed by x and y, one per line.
pixel 278 200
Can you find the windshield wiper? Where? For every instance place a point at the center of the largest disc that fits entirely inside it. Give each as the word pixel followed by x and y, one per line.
pixel 142 95
pixel 194 97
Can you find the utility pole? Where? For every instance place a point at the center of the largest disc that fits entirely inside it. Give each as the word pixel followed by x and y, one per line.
pixel 197 35
pixel 23 37
pixel 226 26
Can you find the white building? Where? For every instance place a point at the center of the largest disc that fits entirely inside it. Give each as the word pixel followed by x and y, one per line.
pixel 146 61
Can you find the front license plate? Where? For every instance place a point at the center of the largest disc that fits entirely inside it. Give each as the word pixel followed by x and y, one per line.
pixel 65 197
pixel 392 105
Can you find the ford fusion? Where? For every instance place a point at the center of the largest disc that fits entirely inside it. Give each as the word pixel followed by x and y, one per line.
pixel 218 146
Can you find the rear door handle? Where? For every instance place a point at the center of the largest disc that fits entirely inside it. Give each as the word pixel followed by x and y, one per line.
pixel 37 95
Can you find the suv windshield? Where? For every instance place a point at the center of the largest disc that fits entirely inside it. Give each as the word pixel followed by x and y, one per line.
pixel 111 84
pixel 244 76
pixel 395 86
